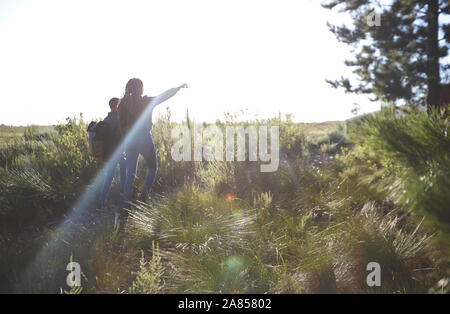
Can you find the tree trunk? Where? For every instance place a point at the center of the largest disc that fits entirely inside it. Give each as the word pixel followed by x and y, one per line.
pixel 433 74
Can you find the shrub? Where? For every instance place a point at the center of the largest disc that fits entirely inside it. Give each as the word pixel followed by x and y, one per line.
pixel 410 161
pixel 149 278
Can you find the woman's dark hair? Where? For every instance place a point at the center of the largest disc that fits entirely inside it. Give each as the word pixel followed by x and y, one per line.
pixel 134 88
pixel 131 105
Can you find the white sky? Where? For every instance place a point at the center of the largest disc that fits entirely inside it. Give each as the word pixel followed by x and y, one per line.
pixel 59 58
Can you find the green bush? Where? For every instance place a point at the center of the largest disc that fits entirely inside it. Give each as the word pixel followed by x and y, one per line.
pixel 409 160
pixel 149 278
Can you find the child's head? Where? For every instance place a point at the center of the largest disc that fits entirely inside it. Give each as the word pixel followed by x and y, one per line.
pixel 114 104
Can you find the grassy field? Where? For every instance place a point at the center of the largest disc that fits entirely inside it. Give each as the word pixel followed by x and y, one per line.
pixel 371 189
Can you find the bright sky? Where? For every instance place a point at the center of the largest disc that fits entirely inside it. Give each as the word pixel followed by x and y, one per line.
pixel 59 58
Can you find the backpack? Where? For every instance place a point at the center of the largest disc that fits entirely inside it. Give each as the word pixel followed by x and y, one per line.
pixel 98 133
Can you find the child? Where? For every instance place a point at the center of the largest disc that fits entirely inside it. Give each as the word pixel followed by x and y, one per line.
pixel 112 142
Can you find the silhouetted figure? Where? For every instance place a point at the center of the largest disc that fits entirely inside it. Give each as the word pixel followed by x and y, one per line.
pixel 138 139
pixel 113 140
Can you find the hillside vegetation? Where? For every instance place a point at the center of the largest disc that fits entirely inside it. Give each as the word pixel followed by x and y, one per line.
pixel 371 189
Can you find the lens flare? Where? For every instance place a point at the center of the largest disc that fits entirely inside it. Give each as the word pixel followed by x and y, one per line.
pixel 229 198
pixel 235 277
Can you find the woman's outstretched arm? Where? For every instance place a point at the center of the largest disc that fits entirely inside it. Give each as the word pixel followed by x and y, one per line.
pixel 166 95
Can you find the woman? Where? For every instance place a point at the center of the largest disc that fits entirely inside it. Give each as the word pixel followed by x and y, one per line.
pixel 135 121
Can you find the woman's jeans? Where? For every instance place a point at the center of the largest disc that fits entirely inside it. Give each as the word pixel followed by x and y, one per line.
pixel 110 172
pixel 140 144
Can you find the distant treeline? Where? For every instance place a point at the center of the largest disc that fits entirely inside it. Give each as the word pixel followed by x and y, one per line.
pixel 21 129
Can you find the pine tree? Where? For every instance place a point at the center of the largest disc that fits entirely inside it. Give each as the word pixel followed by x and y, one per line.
pixel 399 57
